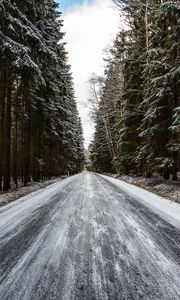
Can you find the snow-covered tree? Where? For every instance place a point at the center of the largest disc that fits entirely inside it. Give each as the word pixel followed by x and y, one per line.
pixel 37 98
pixel 159 126
pixel 144 131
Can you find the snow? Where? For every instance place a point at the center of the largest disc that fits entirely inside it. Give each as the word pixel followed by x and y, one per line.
pixel 21 191
pixel 169 189
pixel 82 238
pixel 167 209
pixel 12 214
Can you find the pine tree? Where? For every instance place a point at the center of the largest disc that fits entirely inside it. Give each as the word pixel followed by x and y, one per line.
pixel 161 142
pixel 37 97
pixel 100 154
pixel 147 120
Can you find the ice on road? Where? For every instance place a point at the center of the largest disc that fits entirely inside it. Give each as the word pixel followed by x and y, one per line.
pixel 85 238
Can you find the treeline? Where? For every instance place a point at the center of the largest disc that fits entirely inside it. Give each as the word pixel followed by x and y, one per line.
pixel 138 115
pixel 40 130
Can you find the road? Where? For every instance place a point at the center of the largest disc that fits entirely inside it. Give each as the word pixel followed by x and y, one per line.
pixel 84 238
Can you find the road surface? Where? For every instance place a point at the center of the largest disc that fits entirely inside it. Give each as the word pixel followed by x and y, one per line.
pixel 83 238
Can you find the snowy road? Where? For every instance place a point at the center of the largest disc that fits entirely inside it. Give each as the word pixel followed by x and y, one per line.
pixel 83 238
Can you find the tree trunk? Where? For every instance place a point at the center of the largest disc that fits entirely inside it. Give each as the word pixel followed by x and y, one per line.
pixel 175 167
pixel 7 141
pixel 2 107
pixel 27 153
pixel 27 145
pixel 166 175
pixel 15 153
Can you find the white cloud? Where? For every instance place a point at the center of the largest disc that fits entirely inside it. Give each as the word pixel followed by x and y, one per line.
pixel 90 28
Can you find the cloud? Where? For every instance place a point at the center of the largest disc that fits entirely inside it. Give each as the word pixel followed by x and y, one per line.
pixel 90 28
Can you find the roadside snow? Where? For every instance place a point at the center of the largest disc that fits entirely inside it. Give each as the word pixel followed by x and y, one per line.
pixel 16 193
pixel 13 213
pixel 167 209
pixel 169 189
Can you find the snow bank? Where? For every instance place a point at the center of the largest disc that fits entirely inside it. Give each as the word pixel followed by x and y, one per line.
pixel 21 191
pixel 13 213
pixel 167 209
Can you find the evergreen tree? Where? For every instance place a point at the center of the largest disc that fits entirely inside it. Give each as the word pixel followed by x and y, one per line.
pixel 100 153
pixel 145 124
pixel 37 98
pixel 160 138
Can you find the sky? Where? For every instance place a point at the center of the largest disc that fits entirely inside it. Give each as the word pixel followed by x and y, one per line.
pixel 68 4
pixel 90 27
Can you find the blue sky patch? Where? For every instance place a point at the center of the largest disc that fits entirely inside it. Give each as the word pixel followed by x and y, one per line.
pixel 65 4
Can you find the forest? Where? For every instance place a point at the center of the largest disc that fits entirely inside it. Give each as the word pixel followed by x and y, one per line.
pixel 136 104
pixel 40 129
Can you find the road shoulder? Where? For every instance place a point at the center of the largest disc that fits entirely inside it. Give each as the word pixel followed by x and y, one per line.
pixel 167 209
